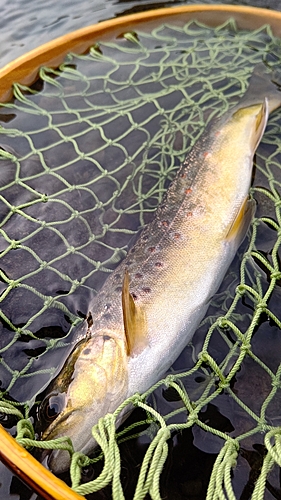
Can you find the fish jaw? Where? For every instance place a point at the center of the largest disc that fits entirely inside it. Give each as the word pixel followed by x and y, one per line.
pixel 97 385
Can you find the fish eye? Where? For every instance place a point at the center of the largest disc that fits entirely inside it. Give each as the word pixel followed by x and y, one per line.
pixel 52 406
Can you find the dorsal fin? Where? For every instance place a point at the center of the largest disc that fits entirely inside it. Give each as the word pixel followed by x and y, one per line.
pixel 134 321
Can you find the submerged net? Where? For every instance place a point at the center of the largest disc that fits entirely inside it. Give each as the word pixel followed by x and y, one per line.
pixel 86 156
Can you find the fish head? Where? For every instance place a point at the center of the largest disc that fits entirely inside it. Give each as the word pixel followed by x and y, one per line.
pixel 92 382
pixel 253 120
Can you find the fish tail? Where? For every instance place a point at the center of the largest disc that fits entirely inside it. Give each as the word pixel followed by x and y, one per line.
pixel 264 84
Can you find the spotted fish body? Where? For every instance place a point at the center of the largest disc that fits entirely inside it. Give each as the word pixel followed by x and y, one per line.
pixel 151 305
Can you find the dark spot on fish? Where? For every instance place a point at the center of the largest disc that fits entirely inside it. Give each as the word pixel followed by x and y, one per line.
pixel 106 337
pixel 107 306
pixel 146 289
pixel 90 320
pixel 87 351
pixel 189 214
pixel 132 250
pixel 145 237
pixel 117 276
pixel 151 249
pixel 177 236
pixel 188 191
pixel 134 296
pixel 129 262
pixel 138 275
pixel 118 289
pixel 165 223
pixel 183 175
pixel 158 264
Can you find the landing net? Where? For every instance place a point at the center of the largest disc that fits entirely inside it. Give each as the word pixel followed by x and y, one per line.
pixel 86 156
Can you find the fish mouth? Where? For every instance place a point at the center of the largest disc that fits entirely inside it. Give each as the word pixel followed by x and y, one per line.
pixel 50 433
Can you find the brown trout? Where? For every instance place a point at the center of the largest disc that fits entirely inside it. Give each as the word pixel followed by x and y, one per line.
pixel 151 305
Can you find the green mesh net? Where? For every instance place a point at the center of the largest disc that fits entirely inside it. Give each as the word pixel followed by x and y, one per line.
pixel 86 155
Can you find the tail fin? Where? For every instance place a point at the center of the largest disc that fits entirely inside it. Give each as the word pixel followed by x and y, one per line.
pixel 264 84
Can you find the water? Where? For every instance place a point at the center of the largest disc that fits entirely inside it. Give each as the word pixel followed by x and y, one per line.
pixel 31 28
pixel 26 25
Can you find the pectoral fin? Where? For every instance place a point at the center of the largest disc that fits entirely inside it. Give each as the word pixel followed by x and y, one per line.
pixel 134 321
pixel 242 221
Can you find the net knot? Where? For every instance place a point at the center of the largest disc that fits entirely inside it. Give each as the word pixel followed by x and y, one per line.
pixel 193 417
pixel 276 275
pixel 96 51
pixel 13 283
pixel 108 420
pixel 138 398
pixel 48 301
pixel 240 290
pixel 276 383
pixel 245 347
pixel 223 323
pixel 25 429
pixel 262 305
pixel 14 244
pixel 223 384
pixel 131 36
pixel 169 380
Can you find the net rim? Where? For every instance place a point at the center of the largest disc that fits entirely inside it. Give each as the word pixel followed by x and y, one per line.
pixel 25 69
pixel 32 472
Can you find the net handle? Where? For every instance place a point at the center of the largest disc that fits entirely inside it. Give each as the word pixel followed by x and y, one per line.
pixel 34 474
pixel 25 69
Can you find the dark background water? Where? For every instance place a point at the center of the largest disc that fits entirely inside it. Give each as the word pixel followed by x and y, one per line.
pixel 26 25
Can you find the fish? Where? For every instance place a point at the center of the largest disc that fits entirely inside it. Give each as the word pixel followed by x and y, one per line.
pixel 151 305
